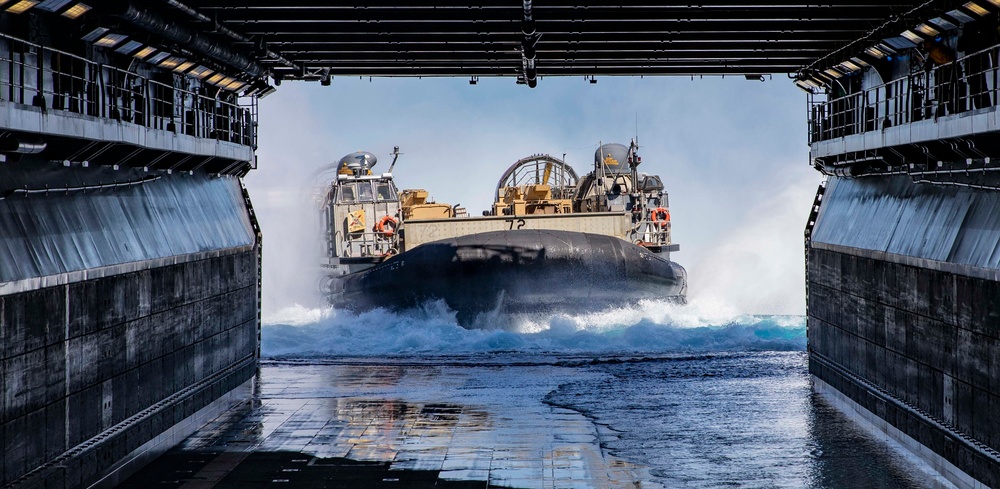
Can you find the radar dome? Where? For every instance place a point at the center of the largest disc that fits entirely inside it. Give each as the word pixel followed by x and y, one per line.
pixel 357 160
pixel 614 156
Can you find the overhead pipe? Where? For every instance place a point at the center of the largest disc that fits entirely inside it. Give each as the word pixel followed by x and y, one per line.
pixel 229 32
pixel 189 38
pixel 79 188
pixel 23 146
pixel 528 66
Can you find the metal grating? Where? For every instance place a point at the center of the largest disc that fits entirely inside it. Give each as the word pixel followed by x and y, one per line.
pixel 451 38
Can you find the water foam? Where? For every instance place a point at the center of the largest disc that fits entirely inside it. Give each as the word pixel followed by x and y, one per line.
pixel 648 327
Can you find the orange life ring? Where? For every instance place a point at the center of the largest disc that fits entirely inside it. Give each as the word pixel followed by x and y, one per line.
pixel 655 214
pixel 382 228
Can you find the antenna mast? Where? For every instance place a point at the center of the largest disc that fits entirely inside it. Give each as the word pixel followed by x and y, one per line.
pixel 395 156
pixel 637 130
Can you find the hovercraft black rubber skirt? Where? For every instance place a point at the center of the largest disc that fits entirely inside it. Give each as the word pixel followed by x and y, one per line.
pixel 516 271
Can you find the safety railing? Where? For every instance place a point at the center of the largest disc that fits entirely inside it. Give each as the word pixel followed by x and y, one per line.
pixel 966 84
pixel 43 77
pixel 652 232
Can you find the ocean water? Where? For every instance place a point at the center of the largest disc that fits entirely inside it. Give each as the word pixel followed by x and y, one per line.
pixel 650 327
pixel 681 396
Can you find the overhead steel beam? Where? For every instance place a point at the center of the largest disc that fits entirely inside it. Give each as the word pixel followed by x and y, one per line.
pixel 547 58
pixel 513 67
pixel 289 40
pixel 548 45
pixel 664 26
pixel 332 14
pixel 491 71
pixel 567 4
pixel 529 71
pixel 531 39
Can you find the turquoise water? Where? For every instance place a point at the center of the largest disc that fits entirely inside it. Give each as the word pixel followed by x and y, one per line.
pixel 649 327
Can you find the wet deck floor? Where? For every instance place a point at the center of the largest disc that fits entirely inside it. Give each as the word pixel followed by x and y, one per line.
pixel 423 425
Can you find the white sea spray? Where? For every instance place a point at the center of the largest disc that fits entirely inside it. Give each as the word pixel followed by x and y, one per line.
pixel 647 327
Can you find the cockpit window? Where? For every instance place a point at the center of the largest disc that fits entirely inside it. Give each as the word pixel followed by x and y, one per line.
pixel 347 194
pixel 365 192
pixel 385 192
pixel 651 183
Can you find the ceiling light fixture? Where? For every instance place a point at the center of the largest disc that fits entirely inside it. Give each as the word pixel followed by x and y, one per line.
pixel 156 58
pixel 94 34
pixel 22 6
pixel 171 62
pixel 926 30
pixel 181 68
pixel 874 51
pixel 912 37
pixel 860 62
pixel 976 9
pixel 76 11
pixel 200 72
pixel 848 66
pixel 145 52
pixel 110 40
pixel 129 47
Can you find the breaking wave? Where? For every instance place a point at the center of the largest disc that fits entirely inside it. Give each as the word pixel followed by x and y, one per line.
pixel 648 327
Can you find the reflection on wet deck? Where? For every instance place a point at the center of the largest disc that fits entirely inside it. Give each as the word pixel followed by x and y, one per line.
pixel 397 426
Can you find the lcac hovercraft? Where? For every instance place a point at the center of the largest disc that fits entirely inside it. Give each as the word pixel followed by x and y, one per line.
pixel 552 242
